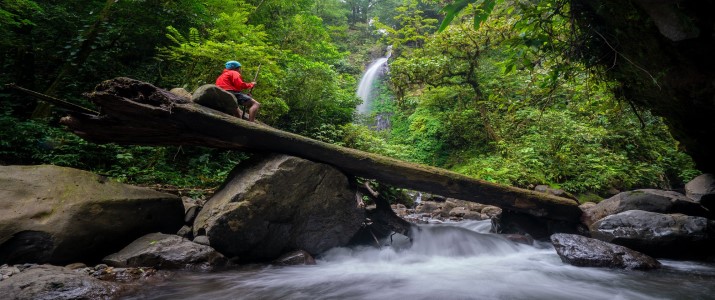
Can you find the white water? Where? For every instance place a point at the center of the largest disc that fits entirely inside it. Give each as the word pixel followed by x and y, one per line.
pixel 364 90
pixel 447 261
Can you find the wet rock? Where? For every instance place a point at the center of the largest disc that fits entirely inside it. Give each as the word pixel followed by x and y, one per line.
pixel 191 214
pixel 280 202
pixel 294 258
pixel 651 200
pixel 587 252
pixel 7 271
pixel 491 211
pixel 458 212
pixel 52 282
pixel 134 277
pixel 63 215
pixel 427 207
pixel 660 235
pixel 186 232
pixel 520 238
pixel 166 252
pixel 455 209
pixel 473 215
pixel 203 240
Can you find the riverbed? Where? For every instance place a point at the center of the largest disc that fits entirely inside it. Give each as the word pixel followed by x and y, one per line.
pixel 444 261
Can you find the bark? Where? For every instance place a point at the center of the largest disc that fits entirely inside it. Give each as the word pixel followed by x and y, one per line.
pixel 138 113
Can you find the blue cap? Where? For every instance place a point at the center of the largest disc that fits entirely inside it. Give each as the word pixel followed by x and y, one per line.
pixel 233 65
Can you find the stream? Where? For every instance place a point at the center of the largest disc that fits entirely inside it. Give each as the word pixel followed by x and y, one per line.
pixel 446 261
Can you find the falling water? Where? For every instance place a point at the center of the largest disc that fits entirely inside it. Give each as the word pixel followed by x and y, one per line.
pixel 447 261
pixel 364 90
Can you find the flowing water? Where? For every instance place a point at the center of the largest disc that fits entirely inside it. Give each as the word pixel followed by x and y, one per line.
pixel 446 261
pixel 364 90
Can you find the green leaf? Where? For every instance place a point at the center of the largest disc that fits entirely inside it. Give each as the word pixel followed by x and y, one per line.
pixel 483 12
pixel 452 10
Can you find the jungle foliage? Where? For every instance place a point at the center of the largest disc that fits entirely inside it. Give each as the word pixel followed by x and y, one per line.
pixel 496 95
pixel 505 99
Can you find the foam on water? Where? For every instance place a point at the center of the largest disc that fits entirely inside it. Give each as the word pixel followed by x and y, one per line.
pixel 446 261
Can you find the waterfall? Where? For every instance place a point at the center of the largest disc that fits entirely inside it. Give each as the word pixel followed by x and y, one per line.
pixel 364 90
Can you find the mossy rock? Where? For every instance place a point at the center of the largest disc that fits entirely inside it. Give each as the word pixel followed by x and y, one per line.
pixel 62 215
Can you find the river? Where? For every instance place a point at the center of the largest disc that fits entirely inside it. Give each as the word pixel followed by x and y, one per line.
pixel 446 261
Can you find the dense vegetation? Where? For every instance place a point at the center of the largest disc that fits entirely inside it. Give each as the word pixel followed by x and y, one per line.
pixel 505 101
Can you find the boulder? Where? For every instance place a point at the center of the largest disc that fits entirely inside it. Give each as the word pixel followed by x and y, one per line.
pixel 458 212
pixel 277 204
pixel 212 96
pixel 181 92
pixel 165 251
pixel 52 282
pixel 587 205
pixel 446 208
pixel 429 207
pixel 473 215
pixel 702 190
pixel 587 252
pixel 700 186
pixel 62 215
pixel 660 235
pixel 520 238
pixel 652 200
pixel 491 212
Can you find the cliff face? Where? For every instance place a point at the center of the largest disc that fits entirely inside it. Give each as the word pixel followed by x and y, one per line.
pixel 663 54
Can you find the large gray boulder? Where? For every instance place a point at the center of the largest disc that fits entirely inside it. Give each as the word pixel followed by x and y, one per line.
pixel 702 190
pixel 700 186
pixel 62 215
pixel 652 200
pixel 212 96
pixel 586 252
pixel 166 251
pixel 277 204
pixel 660 235
pixel 46 282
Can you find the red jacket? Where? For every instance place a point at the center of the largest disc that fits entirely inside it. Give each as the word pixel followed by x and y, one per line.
pixel 231 80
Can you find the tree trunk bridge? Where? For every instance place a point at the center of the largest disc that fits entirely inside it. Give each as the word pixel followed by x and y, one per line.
pixel 137 113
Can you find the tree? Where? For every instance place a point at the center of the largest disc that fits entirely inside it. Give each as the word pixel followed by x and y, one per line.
pixel 411 28
pixel 659 61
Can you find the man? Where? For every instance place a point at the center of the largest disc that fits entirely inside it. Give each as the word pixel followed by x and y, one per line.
pixel 231 81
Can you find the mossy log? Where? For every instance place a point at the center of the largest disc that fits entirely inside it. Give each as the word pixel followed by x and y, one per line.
pixel 137 113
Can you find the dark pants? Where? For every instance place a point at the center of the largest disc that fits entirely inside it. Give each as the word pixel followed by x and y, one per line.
pixel 242 98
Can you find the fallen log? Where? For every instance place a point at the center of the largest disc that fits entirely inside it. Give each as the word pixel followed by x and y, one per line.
pixel 138 113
